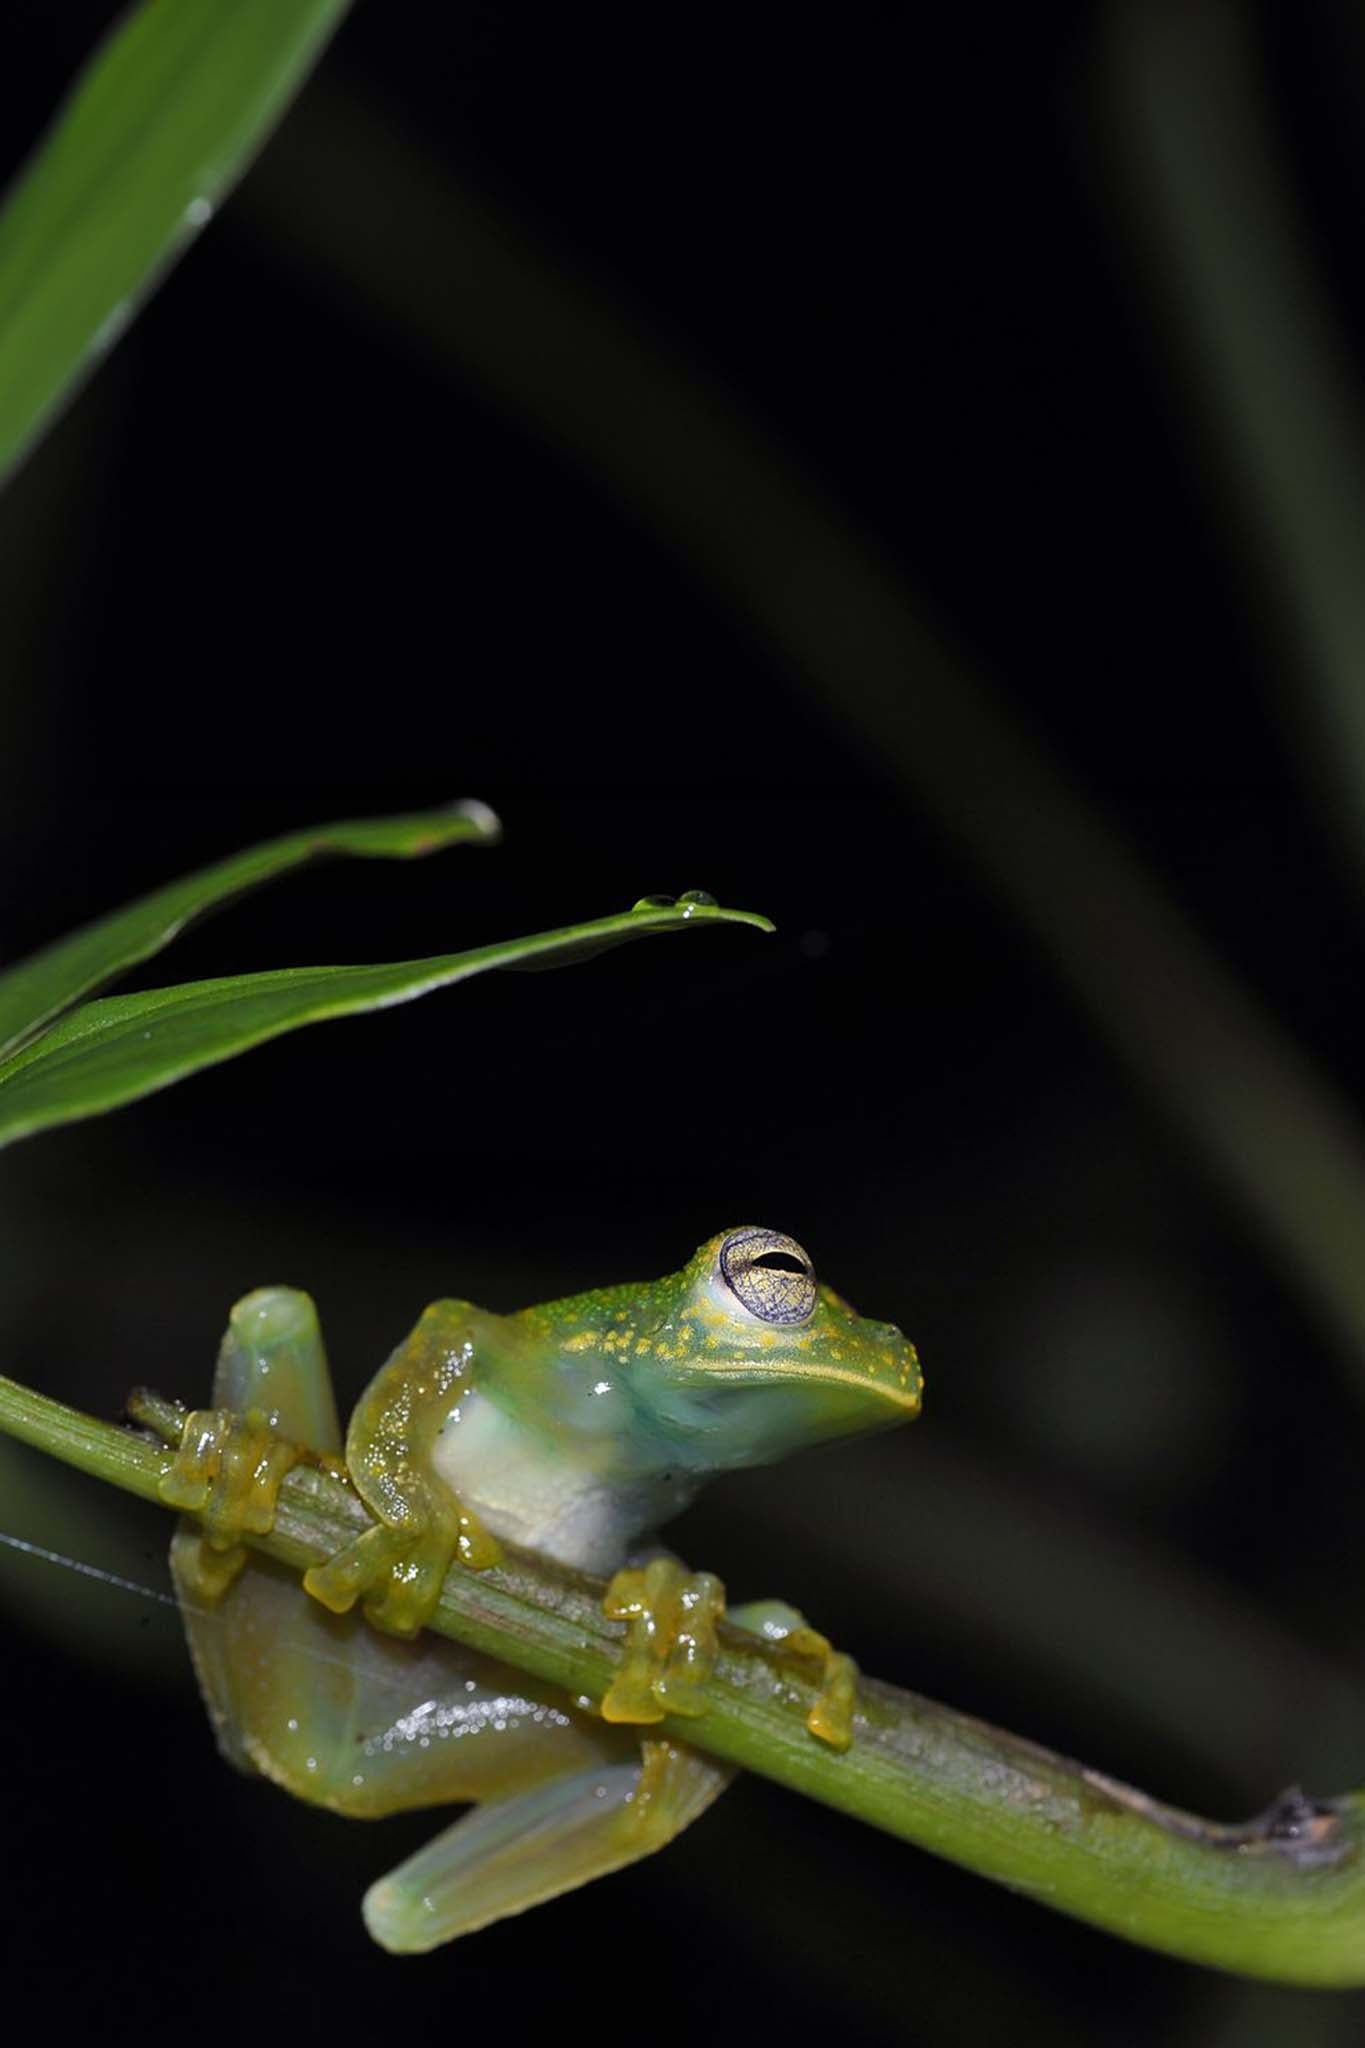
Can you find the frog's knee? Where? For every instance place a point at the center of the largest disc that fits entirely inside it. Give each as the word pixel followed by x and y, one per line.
pixel 271 1316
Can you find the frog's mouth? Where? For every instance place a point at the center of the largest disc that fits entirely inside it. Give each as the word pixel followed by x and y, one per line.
pixel 903 1390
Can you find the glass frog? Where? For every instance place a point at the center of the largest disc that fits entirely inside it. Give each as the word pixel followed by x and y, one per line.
pixel 571 1429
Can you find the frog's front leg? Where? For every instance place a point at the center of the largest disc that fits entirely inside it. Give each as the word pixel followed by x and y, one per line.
pixel 671 1647
pixel 399 1564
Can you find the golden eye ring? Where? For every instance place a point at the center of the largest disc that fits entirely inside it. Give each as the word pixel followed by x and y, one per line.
pixel 770 1274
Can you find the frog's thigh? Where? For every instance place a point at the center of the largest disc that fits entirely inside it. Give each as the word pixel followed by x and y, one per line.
pixel 369 1724
pixel 507 1856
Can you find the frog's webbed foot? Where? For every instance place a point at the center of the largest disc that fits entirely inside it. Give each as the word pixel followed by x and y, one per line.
pixel 671 1642
pixel 398 1571
pixel 831 1717
pixel 513 1853
pixel 226 1471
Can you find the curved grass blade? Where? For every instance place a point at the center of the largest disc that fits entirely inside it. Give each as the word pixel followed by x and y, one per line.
pixel 40 988
pixel 119 1048
pixel 161 123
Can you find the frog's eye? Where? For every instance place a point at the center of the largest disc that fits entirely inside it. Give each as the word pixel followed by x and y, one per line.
pixel 770 1274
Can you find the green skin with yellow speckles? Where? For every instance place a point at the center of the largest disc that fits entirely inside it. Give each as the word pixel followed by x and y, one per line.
pixel 573 1429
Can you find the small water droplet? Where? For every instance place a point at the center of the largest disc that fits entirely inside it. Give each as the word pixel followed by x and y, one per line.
pixel 198 213
pixel 702 899
pixel 654 903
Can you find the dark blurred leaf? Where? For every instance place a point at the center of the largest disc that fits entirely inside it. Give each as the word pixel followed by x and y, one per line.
pixel 160 125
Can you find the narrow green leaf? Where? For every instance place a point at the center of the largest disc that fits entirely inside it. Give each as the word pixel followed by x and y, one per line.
pixel 40 988
pixel 121 1047
pixel 162 122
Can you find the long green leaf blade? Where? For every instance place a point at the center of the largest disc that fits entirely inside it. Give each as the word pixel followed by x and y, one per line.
pixel 119 1048
pixel 40 988
pixel 162 122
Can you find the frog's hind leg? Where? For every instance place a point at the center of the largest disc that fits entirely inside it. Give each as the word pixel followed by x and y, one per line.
pixel 517 1852
pixel 321 1703
pixel 366 1724
pixel 273 1408
pixel 250 1641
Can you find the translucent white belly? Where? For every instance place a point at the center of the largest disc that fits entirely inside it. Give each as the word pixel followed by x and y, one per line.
pixel 538 1501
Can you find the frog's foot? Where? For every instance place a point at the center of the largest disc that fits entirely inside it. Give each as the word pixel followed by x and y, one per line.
pixel 227 1472
pixel 513 1853
pixel 398 1572
pixel 831 1717
pixel 671 1643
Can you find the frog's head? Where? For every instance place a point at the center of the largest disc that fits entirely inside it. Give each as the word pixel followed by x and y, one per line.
pixel 751 1356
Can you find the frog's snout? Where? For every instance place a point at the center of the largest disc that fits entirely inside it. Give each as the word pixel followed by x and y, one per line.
pixel 899 1369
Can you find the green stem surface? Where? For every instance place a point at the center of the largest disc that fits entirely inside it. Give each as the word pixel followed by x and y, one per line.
pixel 1280 1897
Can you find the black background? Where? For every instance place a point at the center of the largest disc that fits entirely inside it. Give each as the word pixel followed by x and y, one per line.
pixel 284 560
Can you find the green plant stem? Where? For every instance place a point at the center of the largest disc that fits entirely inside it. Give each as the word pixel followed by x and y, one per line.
pixel 1281 1897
